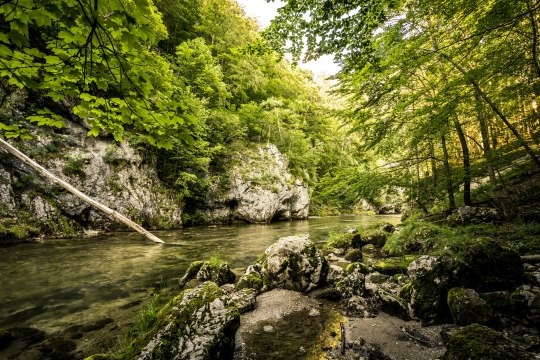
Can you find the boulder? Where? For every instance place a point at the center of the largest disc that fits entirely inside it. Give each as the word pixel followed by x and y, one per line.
pixel 467 307
pixel 245 300
pixel 252 279
pixel 475 215
pixel 484 266
pixel 482 343
pixel 293 263
pixel 354 255
pixel 353 283
pixel 214 270
pixel 198 324
pixel 525 300
pixel 259 189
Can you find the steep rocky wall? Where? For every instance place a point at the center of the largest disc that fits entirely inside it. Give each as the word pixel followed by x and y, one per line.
pixel 114 174
pixel 260 189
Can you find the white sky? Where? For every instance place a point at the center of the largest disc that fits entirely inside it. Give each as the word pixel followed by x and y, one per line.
pixel 264 12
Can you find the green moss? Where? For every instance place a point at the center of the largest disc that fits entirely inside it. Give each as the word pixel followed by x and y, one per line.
pixel 467 307
pixel 393 266
pixel 361 267
pixel 339 240
pixel 74 167
pixel 482 343
pixel 354 255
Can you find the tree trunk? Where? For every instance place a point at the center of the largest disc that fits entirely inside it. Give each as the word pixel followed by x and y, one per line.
pixel 48 175
pixel 485 138
pixel 495 109
pixel 433 163
pixel 466 162
pixel 448 175
pixel 534 44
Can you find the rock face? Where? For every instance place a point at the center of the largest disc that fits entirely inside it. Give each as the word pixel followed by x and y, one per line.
pixel 115 175
pixel 292 263
pixel 198 324
pixel 260 189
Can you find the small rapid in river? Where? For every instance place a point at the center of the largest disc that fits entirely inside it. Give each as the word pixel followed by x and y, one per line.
pixel 84 285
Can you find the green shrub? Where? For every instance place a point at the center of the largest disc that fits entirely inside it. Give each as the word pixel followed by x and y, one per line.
pixel 74 167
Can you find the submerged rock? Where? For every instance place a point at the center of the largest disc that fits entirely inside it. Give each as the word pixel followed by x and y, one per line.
pixel 198 324
pixel 482 343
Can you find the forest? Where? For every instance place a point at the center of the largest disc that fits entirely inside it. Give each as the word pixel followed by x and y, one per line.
pixel 191 115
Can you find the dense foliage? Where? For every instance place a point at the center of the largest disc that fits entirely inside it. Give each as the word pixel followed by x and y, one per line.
pixel 443 92
pixel 176 75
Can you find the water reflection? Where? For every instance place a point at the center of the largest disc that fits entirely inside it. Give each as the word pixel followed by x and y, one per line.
pixel 60 283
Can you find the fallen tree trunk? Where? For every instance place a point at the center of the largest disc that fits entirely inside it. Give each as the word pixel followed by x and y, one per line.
pixel 48 175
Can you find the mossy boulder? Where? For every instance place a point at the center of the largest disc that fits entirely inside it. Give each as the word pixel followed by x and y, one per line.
pixel 252 279
pixel 214 270
pixel 482 343
pixel 483 266
pixel 429 290
pixel 353 283
pixel 199 323
pixel 354 255
pixel 293 263
pixel 490 267
pixel 467 307
pixel 376 237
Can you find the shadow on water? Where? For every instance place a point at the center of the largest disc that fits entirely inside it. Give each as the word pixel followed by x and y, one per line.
pixel 57 284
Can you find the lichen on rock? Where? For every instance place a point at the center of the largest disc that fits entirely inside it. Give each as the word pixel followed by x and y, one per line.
pixel 198 324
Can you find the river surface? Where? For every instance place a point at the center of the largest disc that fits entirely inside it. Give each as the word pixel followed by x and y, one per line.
pixel 58 284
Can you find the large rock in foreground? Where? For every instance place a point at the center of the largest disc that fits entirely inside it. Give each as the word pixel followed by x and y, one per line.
pixel 259 189
pixel 482 343
pixel 198 324
pixel 292 263
pixel 485 266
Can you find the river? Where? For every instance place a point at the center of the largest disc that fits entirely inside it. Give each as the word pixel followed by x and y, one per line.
pixel 58 285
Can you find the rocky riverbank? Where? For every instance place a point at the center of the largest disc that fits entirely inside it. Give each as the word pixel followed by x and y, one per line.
pixel 256 188
pixel 300 302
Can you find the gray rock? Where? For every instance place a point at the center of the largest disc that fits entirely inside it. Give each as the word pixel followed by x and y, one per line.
pixel 294 263
pixel 6 191
pixel 467 307
pixel 260 189
pixel 115 175
pixel 353 283
pixel 198 324
pixel 245 299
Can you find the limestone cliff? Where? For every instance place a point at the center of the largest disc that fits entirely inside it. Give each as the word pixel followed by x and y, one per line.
pixel 114 174
pixel 259 189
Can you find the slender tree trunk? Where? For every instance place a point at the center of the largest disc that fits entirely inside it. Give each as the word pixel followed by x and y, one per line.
pixel 495 109
pixel 485 137
pixel 48 175
pixel 466 162
pixel 534 44
pixel 448 175
pixel 433 163
pixel 461 136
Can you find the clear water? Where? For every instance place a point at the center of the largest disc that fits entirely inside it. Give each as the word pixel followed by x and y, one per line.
pixel 57 284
